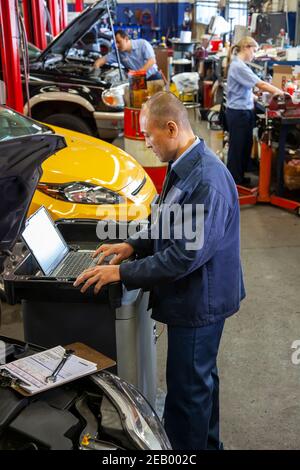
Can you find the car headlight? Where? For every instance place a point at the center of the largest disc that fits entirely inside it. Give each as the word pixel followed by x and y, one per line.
pixel 139 421
pixel 80 193
pixel 115 96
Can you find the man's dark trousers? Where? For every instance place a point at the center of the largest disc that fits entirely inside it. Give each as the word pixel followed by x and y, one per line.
pixel 192 404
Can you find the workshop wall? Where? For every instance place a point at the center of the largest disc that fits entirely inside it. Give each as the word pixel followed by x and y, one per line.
pixel 156 18
pixel 152 19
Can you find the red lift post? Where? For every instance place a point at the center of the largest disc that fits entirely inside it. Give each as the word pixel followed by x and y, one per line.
pixel 63 14
pixel 10 58
pixel 59 15
pixel 54 10
pixel 39 26
pixel 35 24
pixel 79 5
pixel 26 7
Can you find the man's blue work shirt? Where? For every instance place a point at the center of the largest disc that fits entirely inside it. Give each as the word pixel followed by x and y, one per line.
pixel 193 287
pixel 240 82
pixel 140 53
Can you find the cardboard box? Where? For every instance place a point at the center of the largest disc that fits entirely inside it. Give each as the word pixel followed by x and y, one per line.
pixel 281 74
pixel 291 175
pixel 163 61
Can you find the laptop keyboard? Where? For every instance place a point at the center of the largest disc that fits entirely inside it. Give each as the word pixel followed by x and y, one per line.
pixel 76 263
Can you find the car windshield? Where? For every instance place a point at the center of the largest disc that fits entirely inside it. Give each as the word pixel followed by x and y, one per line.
pixel 14 125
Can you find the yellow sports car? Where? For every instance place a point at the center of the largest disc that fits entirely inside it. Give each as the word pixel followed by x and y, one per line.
pixel 88 179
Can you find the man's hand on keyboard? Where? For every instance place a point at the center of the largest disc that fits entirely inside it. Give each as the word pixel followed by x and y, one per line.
pixel 121 251
pixel 98 275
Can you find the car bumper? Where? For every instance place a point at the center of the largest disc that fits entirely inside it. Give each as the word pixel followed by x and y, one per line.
pixel 109 125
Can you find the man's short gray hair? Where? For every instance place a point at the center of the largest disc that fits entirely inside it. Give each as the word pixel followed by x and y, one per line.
pixel 164 107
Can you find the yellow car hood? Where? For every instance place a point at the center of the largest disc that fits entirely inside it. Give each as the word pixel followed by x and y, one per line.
pixel 91 160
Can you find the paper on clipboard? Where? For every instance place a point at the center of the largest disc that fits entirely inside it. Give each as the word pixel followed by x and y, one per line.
pixel 33 370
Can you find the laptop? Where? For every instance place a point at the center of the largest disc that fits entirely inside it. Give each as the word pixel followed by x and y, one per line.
pixel 51 252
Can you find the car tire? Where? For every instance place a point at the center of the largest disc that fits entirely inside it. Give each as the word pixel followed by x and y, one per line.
pixel 74 123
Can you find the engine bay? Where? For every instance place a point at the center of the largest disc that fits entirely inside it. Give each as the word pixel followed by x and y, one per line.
pixel 79 63
pixel 72 412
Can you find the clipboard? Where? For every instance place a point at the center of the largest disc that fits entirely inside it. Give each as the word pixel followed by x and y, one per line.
pixel 83 351
pixel 90 354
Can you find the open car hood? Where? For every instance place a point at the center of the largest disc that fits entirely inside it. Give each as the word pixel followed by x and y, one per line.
pixel 76 29
pixel 20 171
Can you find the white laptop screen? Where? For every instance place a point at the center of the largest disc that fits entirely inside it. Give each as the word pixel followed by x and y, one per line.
pixel 44 241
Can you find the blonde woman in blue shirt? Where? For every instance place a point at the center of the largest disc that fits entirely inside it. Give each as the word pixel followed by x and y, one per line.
pixel 240 106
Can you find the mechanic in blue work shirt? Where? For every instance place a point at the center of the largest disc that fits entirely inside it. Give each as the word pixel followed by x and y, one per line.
pixel 135 54
pixel 194 276
pixel 240 106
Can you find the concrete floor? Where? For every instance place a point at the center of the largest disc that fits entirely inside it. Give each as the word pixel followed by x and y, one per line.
pixel 260 386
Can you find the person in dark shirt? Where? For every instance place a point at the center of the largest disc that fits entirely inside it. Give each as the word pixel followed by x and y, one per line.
pixel 194 275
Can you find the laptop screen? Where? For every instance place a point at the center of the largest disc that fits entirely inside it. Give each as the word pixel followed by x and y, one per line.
pixel 44 241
